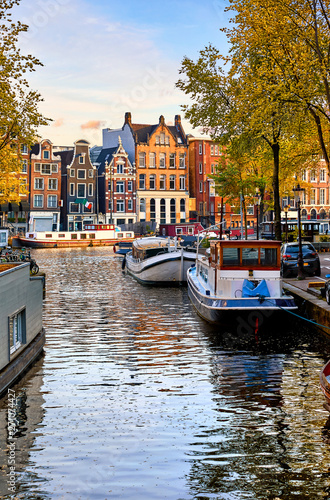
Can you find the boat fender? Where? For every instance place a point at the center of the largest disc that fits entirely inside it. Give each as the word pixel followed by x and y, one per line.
pixel 123 264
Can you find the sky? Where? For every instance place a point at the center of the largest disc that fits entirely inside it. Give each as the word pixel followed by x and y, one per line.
pixel 102 58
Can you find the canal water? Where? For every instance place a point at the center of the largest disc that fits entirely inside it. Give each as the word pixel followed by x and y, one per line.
pixel 136 397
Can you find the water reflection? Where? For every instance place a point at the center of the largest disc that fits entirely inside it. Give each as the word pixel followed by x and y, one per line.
pixel 139 398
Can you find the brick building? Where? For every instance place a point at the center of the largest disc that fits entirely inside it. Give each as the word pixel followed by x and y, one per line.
pixel 160 155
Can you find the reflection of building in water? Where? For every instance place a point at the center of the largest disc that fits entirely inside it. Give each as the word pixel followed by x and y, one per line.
pixel 28 414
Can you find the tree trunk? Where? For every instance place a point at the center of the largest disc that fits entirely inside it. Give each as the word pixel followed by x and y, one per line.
pixel 276 191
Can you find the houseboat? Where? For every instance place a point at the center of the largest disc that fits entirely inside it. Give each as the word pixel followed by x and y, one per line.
pixel 92 235
pixel 239 280
pixel 22 336
pixel 159 261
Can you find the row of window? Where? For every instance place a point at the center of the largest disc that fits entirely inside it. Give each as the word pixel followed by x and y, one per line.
pixel 45 168
pixel 40 184
pixel 313 176
pixel 162 163
pixel 162 205
pixel 162 182
pixel 215 149
pixel 80 190
pixel 38 201
pixel 81 174
pixel 121 205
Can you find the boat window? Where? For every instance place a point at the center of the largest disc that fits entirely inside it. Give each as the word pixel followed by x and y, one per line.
pixel 49 235
pixel 231 257
pixel 120 235
pixel 17 330
pixel 92 236
pixel 249 256
pixel 61 235
pixel 74 236
pixel 268 256
pixel 129 235
pixel 83 236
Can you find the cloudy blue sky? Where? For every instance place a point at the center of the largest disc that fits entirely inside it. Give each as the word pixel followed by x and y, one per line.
pixel 105 57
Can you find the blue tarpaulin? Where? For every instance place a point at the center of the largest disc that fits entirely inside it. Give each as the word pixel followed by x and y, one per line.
pixel 250 290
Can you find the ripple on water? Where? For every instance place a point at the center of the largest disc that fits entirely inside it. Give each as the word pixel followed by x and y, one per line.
pixel 137 397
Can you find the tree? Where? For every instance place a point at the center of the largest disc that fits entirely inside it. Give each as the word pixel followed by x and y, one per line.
pixel 19 116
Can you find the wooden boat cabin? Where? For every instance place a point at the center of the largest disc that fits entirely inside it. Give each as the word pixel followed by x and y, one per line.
pixel 231 262
pixel 150 247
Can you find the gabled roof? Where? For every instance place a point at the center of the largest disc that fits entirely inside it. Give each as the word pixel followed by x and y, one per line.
pixel 105 155
pixel 66 156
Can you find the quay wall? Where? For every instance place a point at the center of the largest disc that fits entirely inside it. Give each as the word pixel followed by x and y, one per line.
pixel 311 307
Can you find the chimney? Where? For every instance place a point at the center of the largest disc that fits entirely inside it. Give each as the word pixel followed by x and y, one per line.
pixel 162 120
pixel 177 120
pixel 128 118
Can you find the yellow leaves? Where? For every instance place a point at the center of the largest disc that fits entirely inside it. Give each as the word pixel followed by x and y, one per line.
pixel 11 178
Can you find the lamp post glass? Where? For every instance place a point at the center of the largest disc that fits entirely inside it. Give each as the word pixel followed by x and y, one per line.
pixel 298 191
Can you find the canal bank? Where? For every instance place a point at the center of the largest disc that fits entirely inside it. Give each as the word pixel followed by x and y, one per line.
pixel 308 297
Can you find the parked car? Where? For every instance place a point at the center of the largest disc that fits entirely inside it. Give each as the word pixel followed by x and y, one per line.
pixel 327 289
pixel 289 259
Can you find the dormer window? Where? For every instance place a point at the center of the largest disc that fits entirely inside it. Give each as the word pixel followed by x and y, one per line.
pixel 46 154
pixel 81 159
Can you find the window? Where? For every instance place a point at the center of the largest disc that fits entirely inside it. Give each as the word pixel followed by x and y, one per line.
pixel 212 151
pixel 120 206
pixel 172 160
pixel 46 168
pixel 172 182
pixel 142 181
pixel 90 173
pixel 162 182
pixel 200 187
pixel 17 330
pixel 152 210
pixel 157 139
pixel 200 148
pixel 201 168
pixel 120 187
pixel 182 183
pixel 312 196
pixel 312 177
pixel 90 189
pixel 152 160
pixel 52 201
pixel 71 172
pixel 162 138
pixel 142 160
pixel 322 196
pixel 182 205
pixel 304 175
pixel 162 160
pixel 212 168
pixel 54 168
pixel 162 211
pixel 172 211
pixel 38 201
pixel 24 148
pixel 322 175
pixel 38 183
pixel 74 208
pixel 72 190
pixel 52 184
pixel 37 167
pixel 82 159
pixel 24 167
pixel 182 160
pixel 142 205
pixel 120 168
pixel 46 154
pixel 129 185
pixel 152 182
pixel 81 174
pixel 81 190
pixel 167 140
pixel 130 204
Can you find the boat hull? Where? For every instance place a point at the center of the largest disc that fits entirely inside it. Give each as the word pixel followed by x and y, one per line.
pixel 246 313
pixel 325 384
pixel 168 269
pixel 26 242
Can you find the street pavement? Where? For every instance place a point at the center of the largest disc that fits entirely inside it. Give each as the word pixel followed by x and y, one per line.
pixel 325 269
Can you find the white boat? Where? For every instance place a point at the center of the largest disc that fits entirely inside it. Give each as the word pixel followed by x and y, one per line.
pixel 92 235
pixel 159 261
pixel 240 282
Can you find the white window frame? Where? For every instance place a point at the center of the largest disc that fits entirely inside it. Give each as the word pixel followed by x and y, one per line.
pixel 120 187
pixel 81 195
pixel 39 180
pixel 51 181
pixel 142 160
pixel 152 182
pixel 182 182
pixel 17 330
pixel 162 160
pixel 72 189
pixel 120 206
pixel 79 172
pixel 172 182
pixel 38 205
pixel 152 160
pixel 90 189
pixel 162 182
pixel 46 169
pixel 52 201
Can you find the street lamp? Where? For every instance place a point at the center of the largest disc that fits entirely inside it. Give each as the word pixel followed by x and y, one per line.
pixel 257 199
pixel 286 209
pixel 298 192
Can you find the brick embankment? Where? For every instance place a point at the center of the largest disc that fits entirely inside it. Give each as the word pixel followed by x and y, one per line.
pixel 312 307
